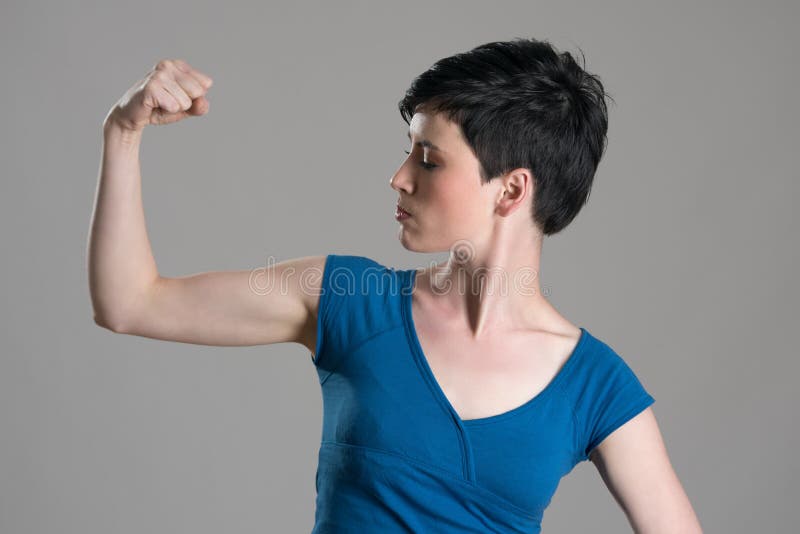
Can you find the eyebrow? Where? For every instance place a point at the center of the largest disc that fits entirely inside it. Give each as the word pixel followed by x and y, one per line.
pixel 426 143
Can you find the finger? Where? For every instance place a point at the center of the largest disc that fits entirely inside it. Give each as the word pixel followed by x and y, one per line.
pixel 199 106
pixel 180 96
pixel 165 117
pixel 204 79
pixel 190 85
pixel 166 101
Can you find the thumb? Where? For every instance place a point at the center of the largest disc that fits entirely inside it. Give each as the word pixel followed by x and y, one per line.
pixel 199 106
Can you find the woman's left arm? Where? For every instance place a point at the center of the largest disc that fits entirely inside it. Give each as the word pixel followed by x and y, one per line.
pixel 635 467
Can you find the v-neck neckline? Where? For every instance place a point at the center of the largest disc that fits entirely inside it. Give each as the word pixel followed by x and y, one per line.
pixel 433 382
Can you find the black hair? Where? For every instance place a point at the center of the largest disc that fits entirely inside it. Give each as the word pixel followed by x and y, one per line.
pixel 523 103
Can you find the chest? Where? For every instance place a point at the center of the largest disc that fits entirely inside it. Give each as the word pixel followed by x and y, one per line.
pixel 484 379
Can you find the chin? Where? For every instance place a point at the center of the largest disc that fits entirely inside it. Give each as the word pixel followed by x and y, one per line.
pixel 406 242
pixel 412 244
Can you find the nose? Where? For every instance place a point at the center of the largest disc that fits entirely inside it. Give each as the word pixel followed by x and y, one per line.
pixel 401 181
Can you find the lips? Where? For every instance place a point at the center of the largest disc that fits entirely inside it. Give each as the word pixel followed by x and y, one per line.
pixel 402 210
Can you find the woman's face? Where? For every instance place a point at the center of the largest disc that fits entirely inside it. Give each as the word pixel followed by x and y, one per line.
pixel 439 184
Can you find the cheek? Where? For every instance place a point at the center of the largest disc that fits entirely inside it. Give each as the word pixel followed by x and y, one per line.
pixel 455 203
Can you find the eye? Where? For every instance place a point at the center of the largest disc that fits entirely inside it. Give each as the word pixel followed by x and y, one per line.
pixel 423 164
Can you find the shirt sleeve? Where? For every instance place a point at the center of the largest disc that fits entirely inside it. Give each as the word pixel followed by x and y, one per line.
pixel 339 288
pixel 326 308
pixel 612 396
pixel 352 306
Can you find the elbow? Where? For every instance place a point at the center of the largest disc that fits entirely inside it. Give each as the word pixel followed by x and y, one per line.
pixel 116 313
pixel 113 324
pixel 117 319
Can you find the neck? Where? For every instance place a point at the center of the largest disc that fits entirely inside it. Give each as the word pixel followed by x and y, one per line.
pixel 492 284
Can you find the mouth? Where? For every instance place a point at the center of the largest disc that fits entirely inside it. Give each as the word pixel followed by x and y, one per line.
pixel 400 213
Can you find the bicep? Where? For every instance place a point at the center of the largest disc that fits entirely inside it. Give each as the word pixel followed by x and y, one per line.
pixel 233 308
pixel 635 467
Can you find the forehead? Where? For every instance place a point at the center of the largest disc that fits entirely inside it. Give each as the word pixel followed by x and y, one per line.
pixel 427 123
pixel 435 128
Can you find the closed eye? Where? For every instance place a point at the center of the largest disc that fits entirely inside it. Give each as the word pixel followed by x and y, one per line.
pixel 425 165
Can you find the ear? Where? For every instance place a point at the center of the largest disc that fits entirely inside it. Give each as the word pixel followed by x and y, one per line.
pixel 517 187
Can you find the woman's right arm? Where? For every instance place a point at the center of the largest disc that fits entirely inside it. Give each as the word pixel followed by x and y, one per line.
pixel 272 304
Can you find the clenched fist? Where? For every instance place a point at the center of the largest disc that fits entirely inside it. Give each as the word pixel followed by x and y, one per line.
pixel 170 92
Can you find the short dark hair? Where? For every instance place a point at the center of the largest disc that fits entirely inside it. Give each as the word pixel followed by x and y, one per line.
pixel 523 103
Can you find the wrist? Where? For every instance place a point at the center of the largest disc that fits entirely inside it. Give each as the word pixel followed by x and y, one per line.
pixel 113 131
pixel 117 129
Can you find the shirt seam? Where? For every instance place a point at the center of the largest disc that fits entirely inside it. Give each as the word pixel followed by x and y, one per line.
pixel 639 407
pixel 442 471
pixel 577 454
pixel 358 344
pixel 354 346
pixel 412 342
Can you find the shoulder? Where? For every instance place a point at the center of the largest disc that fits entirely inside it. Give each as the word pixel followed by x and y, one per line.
pixel 350 274
pixel 598 359
pixel 359 297
pixel 604 392
pixel 603 376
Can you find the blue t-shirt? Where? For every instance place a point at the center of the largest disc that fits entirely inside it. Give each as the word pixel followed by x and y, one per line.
pixel 396 457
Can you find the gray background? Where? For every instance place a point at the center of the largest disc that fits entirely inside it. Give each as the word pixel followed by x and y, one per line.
pixel 681 261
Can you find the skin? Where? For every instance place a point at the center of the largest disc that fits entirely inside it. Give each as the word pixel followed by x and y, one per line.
pixel 483 226
pixel 492 230
pixel 489 224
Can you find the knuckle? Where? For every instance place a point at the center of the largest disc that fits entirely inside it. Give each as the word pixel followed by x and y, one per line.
pixel 160 76
pixel 193 89
pixel 149 90
pixel 184 101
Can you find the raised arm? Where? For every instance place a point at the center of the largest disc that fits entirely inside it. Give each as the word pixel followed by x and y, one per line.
pixel 269 304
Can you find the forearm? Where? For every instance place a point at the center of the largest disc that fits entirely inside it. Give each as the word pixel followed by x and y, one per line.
pixel 120 260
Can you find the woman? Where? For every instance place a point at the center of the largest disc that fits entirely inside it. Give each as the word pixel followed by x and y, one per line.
pixel 455 397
